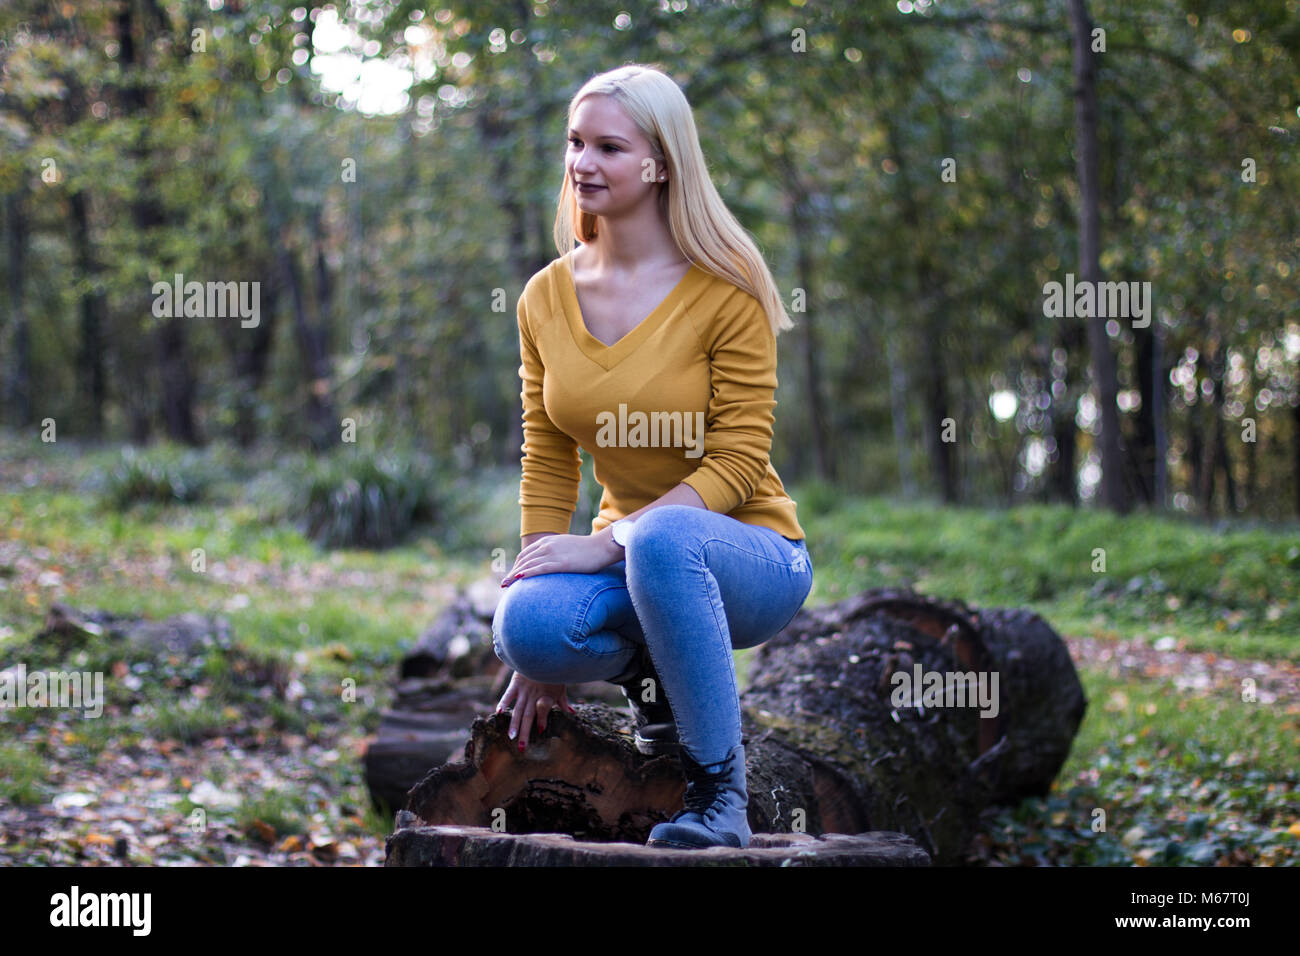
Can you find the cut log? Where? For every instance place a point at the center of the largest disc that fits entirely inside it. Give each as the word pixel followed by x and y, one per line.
pixel 425 727
pixel 449 677
pixel 185 635
pixel 830 745
pixel 459 642
pixel 476 846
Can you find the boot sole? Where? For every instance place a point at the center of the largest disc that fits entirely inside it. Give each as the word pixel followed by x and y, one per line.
pixel 674 845
pixel 670 845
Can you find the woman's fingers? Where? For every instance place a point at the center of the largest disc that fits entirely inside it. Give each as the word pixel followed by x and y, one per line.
pixel 526 715
pixel 509 696
pixel 527 569
pixel 516 717
pixel 531 707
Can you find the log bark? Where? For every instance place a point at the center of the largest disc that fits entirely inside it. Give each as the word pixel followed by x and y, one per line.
pixel 829 745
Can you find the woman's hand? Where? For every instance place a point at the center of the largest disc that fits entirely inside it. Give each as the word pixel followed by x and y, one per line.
pixel 529 702
pixel 578 553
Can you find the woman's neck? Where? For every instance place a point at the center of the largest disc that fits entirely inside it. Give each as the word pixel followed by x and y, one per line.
pixel 628 247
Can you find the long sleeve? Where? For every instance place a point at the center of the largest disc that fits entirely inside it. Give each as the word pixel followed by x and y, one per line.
pixel 548 487
pixel 738 437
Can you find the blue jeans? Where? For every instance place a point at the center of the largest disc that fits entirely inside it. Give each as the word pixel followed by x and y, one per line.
pixel 693 585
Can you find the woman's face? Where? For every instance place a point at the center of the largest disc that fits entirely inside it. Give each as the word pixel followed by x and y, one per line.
pixel 608 151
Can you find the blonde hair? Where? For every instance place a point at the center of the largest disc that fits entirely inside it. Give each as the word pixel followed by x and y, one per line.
pixel 701 225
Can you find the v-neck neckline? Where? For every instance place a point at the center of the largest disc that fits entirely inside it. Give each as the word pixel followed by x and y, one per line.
pixel 607 356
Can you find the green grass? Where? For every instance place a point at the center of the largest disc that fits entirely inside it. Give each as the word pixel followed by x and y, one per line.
pixel 22 776
pixel 276 808
pixel 1229 591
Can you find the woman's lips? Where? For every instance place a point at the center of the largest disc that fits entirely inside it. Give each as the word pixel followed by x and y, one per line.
pixel 588 188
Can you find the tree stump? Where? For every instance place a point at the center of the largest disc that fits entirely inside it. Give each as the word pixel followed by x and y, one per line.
pixel 829 747
pixel 413 845
pixel 585 795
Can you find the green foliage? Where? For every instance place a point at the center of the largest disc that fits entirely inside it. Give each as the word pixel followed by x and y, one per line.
pixel 391 291
pixel 816 498
pixel 275 809
pixel 481 513
pixel 161 475
pixel 21 773
pixel 1180 780
pixel 353 499
pixel 187 724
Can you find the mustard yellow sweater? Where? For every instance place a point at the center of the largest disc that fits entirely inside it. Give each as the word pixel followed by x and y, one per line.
pixel 687 395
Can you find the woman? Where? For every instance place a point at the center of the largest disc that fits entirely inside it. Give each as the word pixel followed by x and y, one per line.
pixel 653 346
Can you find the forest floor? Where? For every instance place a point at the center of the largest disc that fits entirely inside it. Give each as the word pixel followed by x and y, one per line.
pixel 247 754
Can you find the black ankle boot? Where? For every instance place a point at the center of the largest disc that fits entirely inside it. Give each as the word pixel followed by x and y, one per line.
pixel 656 728
pixel 716 810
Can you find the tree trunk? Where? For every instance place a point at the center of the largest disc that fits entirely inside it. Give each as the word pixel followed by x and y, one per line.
pixel 90 355
pixel 178 385
pixel 1159 402
pixel 801 225
pixel 1142 447
pixel 1231 499
pixel 19 386
pixel 899 389
pixel 1063 477
pixel 1195 444
pixel 494 132
pixel 1295 454
pixel 832 744
pixel 250 356
pixel 1212 453
pixel 1112 493
pixel 322 432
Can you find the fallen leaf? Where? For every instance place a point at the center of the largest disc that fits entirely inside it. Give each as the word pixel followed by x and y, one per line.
pixel 263 830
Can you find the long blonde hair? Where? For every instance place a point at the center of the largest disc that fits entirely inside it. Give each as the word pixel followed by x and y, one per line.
pixel 703 227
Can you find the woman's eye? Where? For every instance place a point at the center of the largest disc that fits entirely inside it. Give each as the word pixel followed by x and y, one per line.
pixel 575 140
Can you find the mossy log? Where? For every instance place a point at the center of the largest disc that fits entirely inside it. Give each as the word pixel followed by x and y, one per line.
pixel 829 687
